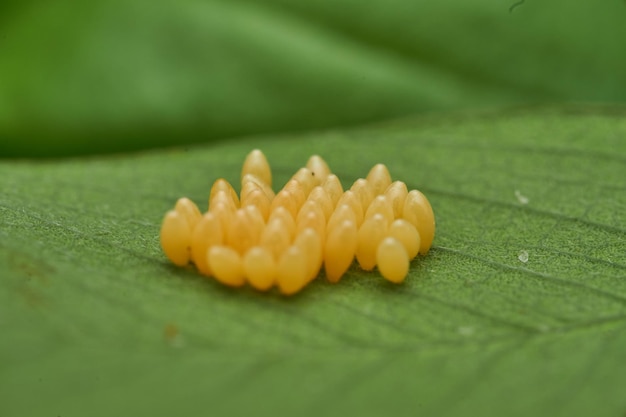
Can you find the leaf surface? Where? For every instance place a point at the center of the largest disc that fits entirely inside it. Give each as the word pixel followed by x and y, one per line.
pixel 96 322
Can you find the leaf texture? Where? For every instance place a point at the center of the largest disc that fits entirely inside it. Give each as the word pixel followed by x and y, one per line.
pixel 96 321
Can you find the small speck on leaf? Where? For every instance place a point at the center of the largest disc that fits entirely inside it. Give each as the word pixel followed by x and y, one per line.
pixel 522 199
pixel 172 335
pixel 523 256
pixel 466 331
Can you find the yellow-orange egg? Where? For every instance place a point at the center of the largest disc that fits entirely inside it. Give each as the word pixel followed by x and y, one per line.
pixel 256 164
pixel 379 178
pixel 310 206
pixel 333 188
pixel 320 196
pixel 363 189
pixel 255 216
pixel 396 193
pixel 242 233
pixel 341 213
pixel 311 220
pixel 222 185
pixel 291 274
pixel 189 210
pixel 276 237
pixel 311 244
pixel 319 167
pixel 223 197
pixel 407 234
pixel 176 238
pixel 287 218
pixel 380 205
pixel 260 268
pixel 286 200
pixel 370 234
pixel 339 250
pixel 249 187
pixel 351 199
pixel 251 179
pixel 392 260
pixel 297 190
pixel 306 179
pixel 223 212
pixel 227 265
pixel 208 232
pixel 259 200
pixel 417 211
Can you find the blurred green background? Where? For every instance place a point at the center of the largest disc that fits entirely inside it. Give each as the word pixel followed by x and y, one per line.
pixel 83 77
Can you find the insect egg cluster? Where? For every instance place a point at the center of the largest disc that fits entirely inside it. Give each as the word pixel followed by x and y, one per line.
pixel 266 238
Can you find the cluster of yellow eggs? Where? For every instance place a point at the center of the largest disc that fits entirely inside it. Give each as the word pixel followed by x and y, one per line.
pixel 284 239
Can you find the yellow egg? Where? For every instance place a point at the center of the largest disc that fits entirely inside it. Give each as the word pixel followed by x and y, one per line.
pixel 287 218
pixel 311 215
pixel 370 234
pixel 223 212
pixel 256 164
pixel 319 167
pixel 379 178
pixel 260 268
pixel 392 260
pixel 258 199
pixel 333 188
pixel 222 185
pixel 291 274
pixel 251 179
pixel 339 249
pixel 407 234
pixel 242 233
pixel 310 206
pixel 363 189
pixel 341 213
pixel 249 187
pixel 255 216
pixel 419 213
pixel 176 238
pixel 319 196
pixel 380 205
pixel 297 191
pixel 352 200
pixel 208 232
pixel 189 210
pixel 310 242
pixel 312 221
pixel 396 193
pixel 226 265
pixel 223 197
pixel 276 237
pixel 287 201
pixel 306 179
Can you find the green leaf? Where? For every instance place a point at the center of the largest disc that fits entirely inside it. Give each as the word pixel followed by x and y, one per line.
pixel 112 75
pixel 95 321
